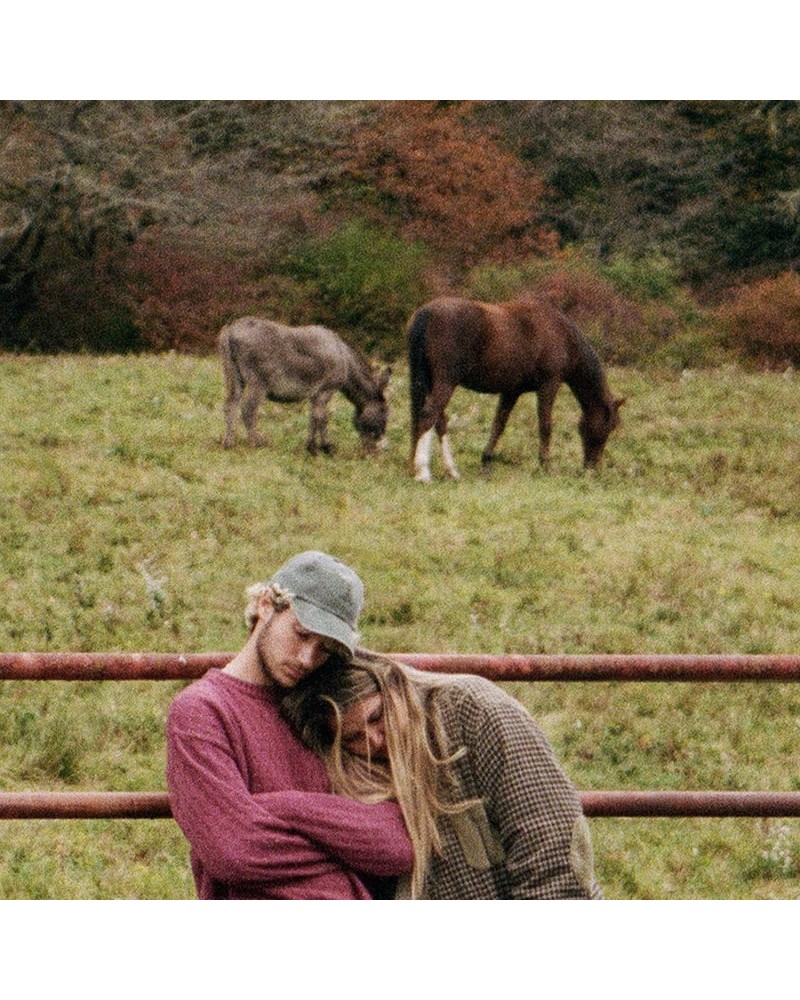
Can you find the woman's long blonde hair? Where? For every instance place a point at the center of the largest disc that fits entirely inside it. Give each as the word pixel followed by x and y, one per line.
pixel 419 774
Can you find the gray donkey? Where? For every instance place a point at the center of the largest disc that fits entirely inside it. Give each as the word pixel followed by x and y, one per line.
pixel 265 360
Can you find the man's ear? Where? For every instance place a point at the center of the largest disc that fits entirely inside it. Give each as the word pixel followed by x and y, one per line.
pixel 265 608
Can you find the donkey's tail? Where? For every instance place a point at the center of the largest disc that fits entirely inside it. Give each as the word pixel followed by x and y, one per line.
pixel 231 372
pixel 419 371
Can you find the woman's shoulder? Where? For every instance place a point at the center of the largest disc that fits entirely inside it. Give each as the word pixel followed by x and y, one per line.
pixel 465 691
pixel 449 683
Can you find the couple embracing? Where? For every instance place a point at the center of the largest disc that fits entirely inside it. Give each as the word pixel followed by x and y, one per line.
pixel 310 768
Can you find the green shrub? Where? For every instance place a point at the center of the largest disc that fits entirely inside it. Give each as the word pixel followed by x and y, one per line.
pixel 691 346
pixel 496 283
pixel 642 278
pixel 365 281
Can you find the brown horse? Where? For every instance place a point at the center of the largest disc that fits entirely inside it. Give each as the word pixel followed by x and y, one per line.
pixel 508 349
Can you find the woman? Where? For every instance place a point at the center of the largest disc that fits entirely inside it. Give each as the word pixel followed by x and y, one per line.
pixel 490 812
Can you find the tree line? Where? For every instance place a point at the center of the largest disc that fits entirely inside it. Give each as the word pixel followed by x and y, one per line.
pixel 670 228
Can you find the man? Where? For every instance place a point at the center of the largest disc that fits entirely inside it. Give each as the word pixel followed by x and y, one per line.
pixel 253 802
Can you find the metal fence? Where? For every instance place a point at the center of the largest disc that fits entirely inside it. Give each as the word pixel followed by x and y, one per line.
pixel 587 668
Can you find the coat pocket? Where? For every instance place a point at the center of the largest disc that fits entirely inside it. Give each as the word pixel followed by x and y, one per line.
pixel 479 842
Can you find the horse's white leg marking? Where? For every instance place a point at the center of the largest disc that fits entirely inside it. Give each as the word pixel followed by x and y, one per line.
pixel 447 457
pixel 422 458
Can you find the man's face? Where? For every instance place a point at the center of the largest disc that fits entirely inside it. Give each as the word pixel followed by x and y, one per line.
pixel 288 652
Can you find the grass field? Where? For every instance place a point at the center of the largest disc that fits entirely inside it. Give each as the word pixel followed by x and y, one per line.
pixel 125 526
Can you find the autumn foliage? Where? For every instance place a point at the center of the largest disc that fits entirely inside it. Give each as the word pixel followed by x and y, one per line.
pixel 448 184
pixel 763 320
pixel 181 299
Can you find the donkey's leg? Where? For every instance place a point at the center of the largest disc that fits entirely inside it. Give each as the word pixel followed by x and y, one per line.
pixel 252 398
pixel 505 405
pixel 230 407
pixel 432 415
pixel 318 424
pixel 545 398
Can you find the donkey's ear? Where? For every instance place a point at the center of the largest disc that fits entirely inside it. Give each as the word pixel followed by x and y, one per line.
pixel 383 378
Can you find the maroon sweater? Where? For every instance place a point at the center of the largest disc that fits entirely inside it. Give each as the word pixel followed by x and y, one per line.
pixel 256 808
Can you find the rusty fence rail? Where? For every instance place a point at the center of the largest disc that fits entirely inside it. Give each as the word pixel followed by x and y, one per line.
pixel 155 805
pixel 545 667
pixel 593 667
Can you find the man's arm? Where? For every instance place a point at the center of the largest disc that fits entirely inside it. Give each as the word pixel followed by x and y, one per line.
pixel 529 799
pixel 369 837
pixel 235 837
pixel 245 837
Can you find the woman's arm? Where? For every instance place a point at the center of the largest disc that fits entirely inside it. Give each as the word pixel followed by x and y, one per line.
pixel 529 799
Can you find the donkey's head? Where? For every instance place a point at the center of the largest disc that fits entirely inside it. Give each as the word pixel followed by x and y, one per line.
pixel 370 418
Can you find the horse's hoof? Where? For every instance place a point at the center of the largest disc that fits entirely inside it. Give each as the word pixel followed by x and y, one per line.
pixel 328 449
pixel 423 477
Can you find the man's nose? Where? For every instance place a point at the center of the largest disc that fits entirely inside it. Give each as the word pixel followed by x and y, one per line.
pixel 313 655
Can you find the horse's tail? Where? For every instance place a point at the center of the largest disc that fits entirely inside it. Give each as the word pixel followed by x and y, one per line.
pixel 419 371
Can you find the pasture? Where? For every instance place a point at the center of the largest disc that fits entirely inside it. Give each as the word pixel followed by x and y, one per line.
pixel 126 526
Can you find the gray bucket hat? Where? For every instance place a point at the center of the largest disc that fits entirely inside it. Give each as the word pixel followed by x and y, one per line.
pixel 326 595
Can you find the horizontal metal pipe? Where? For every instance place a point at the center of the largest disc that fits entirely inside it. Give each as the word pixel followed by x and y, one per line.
pixel 84 805
pixel 543 667
pixel 108 666
pixel 630 803
pixel 155 805
pixel 612 666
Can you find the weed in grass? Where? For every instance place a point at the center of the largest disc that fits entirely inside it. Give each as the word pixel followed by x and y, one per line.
pixel 156 595
pixel 778 859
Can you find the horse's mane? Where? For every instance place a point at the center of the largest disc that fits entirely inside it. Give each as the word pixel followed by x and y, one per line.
pixel 588 374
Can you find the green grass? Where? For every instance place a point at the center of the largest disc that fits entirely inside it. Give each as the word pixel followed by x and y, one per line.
pixel 125 526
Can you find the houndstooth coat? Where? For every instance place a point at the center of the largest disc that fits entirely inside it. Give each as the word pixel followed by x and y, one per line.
pixel 529 839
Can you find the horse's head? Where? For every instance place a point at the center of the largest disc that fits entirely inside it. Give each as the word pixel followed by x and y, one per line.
pixel 371 418
pixel 596 425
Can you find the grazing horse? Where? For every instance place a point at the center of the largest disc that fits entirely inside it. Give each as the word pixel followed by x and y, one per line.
pixel 508 349
pixel 265 360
